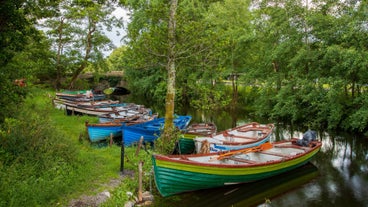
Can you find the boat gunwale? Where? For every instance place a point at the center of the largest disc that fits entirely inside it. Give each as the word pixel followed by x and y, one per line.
pixel 269 126
pixel 105 124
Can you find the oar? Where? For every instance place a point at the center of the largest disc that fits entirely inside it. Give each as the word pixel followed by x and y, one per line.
pixel 261 147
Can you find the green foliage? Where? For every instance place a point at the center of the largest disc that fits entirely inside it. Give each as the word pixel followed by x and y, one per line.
pixel 42 162
pixel 148 83
pixel 285 51
pixel 357 120
pixel 128 189
pixel 115 59
pixel 206 96
pixel 166 142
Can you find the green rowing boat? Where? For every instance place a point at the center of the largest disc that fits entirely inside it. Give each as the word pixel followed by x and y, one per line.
pixel 182 173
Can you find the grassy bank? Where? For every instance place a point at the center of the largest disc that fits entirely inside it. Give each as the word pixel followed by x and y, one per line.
pixel 46 159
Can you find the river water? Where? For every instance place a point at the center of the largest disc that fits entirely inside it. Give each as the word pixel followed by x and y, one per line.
pixel 337 176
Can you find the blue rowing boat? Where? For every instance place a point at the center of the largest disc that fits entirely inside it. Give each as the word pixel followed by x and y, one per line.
pixel 103 131
pixel 151 130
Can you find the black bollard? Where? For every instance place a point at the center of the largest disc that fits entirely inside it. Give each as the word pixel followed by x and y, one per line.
pixel 122 155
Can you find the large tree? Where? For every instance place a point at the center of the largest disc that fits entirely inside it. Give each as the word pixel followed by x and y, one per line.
pixel 77 31
pixel 171 70
pixel 17 33
pixel 233 20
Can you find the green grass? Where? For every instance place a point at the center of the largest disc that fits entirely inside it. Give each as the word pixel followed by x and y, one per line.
pixel 47 160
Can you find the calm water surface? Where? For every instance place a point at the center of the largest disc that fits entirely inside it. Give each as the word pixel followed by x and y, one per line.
pixel 337 176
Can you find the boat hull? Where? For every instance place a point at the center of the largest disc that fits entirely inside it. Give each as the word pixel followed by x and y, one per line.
pixel 186 143
pixel 173 177
pixel 98 133
pixel 150 130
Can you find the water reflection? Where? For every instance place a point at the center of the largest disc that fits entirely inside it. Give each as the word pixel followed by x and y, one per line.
pixel 343 181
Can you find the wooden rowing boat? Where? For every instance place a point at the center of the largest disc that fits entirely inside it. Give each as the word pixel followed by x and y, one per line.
pixel 81 95
pixel 61 103
pixel 182 173
pixel 186 144
pixel 132 112
pixel 201 129
pixel 244 136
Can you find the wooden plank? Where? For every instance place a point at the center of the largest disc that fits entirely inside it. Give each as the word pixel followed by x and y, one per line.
pixel 276 154
pixel 242 160
pixel 292 146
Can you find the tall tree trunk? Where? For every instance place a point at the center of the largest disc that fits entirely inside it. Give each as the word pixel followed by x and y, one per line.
pixel 83 65
pixel 171 72
pixel 234 83
pixel 59 51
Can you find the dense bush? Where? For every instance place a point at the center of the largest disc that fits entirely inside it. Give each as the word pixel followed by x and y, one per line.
pixel 37 161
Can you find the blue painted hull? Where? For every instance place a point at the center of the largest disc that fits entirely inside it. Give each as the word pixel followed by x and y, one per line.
pixel 98 133
pixel 150 130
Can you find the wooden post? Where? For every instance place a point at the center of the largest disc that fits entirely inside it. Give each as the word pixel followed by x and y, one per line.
pixel 111 139
pixel 139 146
pixel 140 171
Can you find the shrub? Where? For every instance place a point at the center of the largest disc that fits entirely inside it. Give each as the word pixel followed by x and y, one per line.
pixel 38 162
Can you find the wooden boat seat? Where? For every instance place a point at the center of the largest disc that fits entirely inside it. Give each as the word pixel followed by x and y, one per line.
pixel 246 141
pixel 237 159
pixel 263 129
pixel 276 154
pixel 183 158
pixel 226 134
pixel 291 146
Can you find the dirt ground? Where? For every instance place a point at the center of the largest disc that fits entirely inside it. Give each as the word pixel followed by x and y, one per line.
pixel 98 199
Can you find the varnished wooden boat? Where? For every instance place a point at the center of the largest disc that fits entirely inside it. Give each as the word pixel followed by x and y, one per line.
pixel 77 110
pixel 132 112
pixel 186 144
pixel 182 173
pixel 201 129
pixel 61 103
pixel 244 136
pixel 80 95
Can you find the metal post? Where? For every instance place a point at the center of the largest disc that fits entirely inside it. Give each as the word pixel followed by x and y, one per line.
pixel 122 154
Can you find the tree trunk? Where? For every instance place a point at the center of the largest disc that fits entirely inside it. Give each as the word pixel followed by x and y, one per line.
pixel 234 82
pixel 91 30
pixel 59 51
pixel 171 72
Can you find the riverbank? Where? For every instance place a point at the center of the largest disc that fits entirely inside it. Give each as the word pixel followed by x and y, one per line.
pixel 52 163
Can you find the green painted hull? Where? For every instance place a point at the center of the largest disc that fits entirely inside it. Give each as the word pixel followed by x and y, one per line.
pixel 177 177
pixel 186 144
